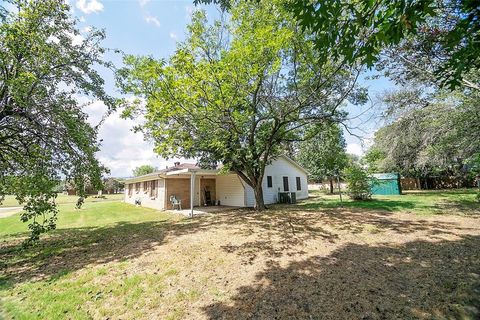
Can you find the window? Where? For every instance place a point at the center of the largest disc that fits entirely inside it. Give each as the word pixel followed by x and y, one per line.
pixel 299 184
pixel 285 184
pixel 269 182
pixel 153 189
pixel 130 188
pixel 145 186
pixel 137 187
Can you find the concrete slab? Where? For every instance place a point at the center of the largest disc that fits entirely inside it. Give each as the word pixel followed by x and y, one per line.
pixel 9 211
pixel 204 210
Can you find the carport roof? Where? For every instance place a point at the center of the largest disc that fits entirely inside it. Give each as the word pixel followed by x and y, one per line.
pixel 173 171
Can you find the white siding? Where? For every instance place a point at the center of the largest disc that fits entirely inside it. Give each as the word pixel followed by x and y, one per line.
pixel 144 196
pixel 230 190
pixel 161 193
pixel 249 196
pixel 277 170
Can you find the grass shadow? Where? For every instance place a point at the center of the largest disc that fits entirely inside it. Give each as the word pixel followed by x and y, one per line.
pixel 431 202
pixel 273 233
pixel 417 280
pixel 466 206
pixel 372 204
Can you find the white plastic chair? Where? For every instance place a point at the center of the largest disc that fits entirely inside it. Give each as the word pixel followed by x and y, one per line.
pixel 176 203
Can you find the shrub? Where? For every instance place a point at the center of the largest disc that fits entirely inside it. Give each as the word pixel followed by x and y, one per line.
pixel 358 183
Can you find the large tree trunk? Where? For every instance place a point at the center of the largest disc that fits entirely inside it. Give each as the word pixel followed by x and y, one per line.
pixel 256 184
pixel 259 201
pixel 331 185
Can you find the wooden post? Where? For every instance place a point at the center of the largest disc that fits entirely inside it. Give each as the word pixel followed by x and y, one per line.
pixel 339 189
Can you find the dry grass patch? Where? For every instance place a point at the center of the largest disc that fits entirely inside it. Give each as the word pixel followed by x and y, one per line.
pixel 289 262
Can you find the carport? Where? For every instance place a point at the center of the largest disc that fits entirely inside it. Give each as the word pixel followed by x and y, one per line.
pixel 188 186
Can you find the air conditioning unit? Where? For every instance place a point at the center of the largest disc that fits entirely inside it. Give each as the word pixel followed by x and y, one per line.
pixel 287 197
pixel 293 197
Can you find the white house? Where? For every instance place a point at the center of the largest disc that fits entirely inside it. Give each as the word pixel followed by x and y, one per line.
pixel 193 186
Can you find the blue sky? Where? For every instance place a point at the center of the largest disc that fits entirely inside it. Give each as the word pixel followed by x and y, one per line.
pixel 152 27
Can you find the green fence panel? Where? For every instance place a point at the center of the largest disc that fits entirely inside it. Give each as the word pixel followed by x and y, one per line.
pixel 386 184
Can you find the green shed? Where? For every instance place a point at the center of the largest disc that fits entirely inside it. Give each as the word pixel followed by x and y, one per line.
pixel 386 184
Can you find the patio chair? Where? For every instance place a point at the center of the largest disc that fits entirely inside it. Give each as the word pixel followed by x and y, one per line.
pixel 175 202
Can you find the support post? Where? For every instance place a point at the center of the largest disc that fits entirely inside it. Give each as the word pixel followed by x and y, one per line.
pixel 192 192
pixel 339 189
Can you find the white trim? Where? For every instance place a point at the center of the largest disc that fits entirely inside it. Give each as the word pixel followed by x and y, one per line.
pixel 192 192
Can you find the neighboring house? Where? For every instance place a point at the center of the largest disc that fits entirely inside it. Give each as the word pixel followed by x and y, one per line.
pixel 188 183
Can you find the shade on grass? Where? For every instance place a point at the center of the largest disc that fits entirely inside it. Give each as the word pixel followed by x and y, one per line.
pixel 115 260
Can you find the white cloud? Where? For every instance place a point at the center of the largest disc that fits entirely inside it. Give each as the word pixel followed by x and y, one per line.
pixel 173 36
pixel 152 20
pixel 122 149
pixel 95 110
pixel 86 29
pixel 82 19
pixel 89 6
pixel 354 148
pixel 143 2
pixel 77 39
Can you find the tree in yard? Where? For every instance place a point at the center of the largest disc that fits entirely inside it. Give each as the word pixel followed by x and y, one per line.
pixel 324 155
pixel 431 129
pixel 359 183
pixel 237 89
pixel 143 169
pixel 44 134
pixel 113 185
pixel 373 159
pixel 435 132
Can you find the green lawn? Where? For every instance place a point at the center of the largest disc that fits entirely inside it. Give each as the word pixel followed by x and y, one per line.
pixel 461 201
pixel 101 228
pixel 99 214
pixel 382 258
pixel 10 201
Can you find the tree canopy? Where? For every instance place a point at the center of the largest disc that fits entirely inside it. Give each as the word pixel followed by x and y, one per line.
pixel 444 33
pixel 44 133
pixel 428 133
pixel 324 155
pixel 144 169
pixel 432 117
pixel 444 51
pixel 236 89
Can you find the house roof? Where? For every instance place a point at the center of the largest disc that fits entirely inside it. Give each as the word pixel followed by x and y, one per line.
pixel 182 168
